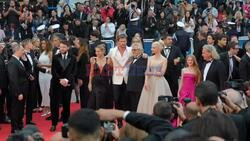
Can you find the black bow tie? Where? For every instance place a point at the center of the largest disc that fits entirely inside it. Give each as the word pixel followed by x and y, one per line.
pixel 167 47
pixel 208 61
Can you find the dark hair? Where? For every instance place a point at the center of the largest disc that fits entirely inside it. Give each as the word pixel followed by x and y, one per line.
pixel 163 110
pixel 86 122
pixel 246 86
pixel 215 123
pixel 95 33
pixel 202 33
pixel 212 35
pixel 165 36
pixel 207 93
pixel 231 45
pixel 221 36
pixel 65 42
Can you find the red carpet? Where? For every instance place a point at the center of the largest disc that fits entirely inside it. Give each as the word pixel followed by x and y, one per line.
pixel 42 124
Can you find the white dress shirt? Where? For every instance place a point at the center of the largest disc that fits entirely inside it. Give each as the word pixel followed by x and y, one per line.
pixel 207 67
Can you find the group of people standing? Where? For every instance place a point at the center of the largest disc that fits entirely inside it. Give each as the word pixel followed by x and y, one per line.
pixel 122 78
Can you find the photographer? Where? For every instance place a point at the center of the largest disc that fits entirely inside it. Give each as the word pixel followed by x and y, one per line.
pixel 12 13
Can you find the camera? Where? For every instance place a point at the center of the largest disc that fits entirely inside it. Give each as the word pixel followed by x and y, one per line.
pixel 172 100
pixel 132 6
pixel 109 126
pixel 65 130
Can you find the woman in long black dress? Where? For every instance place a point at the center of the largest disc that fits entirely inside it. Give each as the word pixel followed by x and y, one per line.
pixel 82 71
pixel 99 80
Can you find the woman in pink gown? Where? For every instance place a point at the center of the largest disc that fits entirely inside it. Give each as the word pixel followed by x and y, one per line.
pixel 190 77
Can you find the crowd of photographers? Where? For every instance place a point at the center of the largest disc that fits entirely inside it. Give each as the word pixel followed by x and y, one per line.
pixel 215 115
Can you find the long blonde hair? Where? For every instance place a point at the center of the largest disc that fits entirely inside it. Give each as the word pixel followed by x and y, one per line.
pixel 196 69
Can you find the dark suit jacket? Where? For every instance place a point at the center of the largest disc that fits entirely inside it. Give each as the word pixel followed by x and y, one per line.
pixel 28 65
pixel 245 68
pixel 18 77
pixel 156 128
pixel 198 44
pixel 136 75
pixel 182 40
pixel 216 73
pixel 83 67
pixel 61 71
pixel 3 74
pixel 224 57
pixel 173 70
pixel 93 46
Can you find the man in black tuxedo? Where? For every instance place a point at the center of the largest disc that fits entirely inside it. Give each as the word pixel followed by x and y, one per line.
pixel 3 87
pixel 245 64
pixel 56 38
pixel 136 76
pixel 199 42
pixel 30 64
pixel 95 41
pixel 18 84
pixel 213 69
pixel 63 73
pixel 174 56
pixel 230 62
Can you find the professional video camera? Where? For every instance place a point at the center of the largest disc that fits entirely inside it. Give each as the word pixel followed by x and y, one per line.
pixel 172 100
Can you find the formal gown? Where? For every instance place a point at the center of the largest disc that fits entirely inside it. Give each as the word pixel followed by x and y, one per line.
pixel 100 97
pixel 44 80
pixel 188 87
pixel 158 87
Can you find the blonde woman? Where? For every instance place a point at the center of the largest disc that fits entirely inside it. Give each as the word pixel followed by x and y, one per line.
pixel 100 80
pixel 155 84
pixel 213 69
pixel 190 78
pixel 239 21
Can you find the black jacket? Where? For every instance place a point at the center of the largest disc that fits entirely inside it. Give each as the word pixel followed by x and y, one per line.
pixel 182 41
pixel 136 75
pixel 216 73
pixel 224 57
pixel 3 74
pixel 198 44
pixel 156 128
pixel 174 70
pixel 245 68
pixel 83 67
pixel 18 77
pixel 61 70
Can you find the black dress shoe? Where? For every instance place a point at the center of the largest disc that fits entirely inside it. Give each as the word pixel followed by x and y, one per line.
pixel 52 128
pixel 30 122
pixel 49 118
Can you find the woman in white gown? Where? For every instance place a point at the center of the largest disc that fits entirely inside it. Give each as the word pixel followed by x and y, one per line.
pixel 155 84
pixel 44 78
